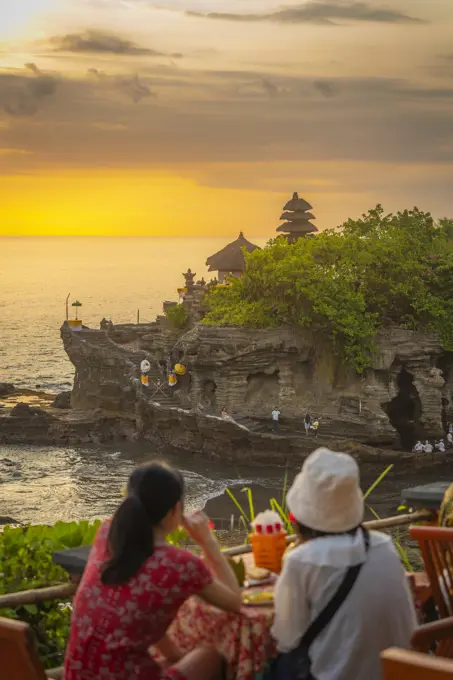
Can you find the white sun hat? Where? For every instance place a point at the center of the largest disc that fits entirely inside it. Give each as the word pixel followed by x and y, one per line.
pixel 326 494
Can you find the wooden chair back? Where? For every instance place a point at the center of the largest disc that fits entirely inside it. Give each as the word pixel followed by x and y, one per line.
pixel 436 544
pixel 18 657
pixel 435 638
pixel 401 664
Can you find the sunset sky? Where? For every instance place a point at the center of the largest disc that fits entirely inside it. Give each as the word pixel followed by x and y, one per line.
pixel 201 117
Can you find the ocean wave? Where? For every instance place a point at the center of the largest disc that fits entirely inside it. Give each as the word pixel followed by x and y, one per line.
pixel 205 489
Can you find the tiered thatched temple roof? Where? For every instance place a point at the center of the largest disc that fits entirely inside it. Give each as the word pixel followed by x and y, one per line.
pixel 297 218
pixel 230 260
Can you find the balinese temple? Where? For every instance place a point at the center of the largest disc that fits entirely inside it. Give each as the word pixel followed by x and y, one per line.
pixel 230 260
pixel 297 218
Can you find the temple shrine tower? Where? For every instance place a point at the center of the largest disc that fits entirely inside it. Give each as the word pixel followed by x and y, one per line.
pixel 297 219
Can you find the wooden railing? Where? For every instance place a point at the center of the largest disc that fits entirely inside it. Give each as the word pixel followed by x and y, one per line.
pixel 67 590
pixel 62 592
pixel 375 524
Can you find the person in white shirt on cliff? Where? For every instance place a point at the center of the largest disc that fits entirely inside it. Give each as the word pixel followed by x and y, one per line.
pixel 373 609
pixel 428 447
pixel 275 418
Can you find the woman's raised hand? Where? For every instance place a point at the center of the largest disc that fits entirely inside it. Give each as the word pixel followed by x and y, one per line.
pixel 197 526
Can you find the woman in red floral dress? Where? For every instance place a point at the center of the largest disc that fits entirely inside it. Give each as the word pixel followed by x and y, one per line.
pixel 135 582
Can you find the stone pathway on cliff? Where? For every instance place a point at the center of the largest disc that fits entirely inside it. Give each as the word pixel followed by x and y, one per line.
pixel 264 426
pixel 251 424
pixel 158 389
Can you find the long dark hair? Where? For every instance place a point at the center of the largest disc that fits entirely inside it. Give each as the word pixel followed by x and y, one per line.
pixel 308 534
pixel 152 491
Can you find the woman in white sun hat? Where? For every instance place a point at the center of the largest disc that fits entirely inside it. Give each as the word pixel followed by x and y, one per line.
pixel 342 596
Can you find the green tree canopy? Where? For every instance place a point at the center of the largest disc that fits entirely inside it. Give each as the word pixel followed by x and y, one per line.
pixel 382 269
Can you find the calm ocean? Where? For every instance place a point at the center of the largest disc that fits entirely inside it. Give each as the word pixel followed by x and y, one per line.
pixel 112 277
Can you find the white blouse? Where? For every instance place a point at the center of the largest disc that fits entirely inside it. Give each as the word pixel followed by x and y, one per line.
pixel 378 612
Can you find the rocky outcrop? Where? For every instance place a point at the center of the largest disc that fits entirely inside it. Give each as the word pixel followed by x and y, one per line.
pixel 60 428
pixel 195 433
pixel 403 395
pixel 25 429
pixel 4 519
pixel 23 410
pixel 253 370
pixel 104 371
pixel 62 400
pixel 6 389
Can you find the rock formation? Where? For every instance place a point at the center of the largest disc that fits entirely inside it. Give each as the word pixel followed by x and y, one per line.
pixel 6 389
pixel 23 410
pixel 62 400
pixel 4 519
pixel 406 393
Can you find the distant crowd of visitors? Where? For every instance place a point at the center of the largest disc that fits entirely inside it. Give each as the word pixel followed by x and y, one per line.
pixel 437 446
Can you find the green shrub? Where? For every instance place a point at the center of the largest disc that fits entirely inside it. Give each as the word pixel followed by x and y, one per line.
pixel 345 284
pixel 25 563
pixel 177 316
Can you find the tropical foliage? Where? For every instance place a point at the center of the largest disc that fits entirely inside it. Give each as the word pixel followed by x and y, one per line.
pixel 26 563
pixel 346 283
pixel 177 317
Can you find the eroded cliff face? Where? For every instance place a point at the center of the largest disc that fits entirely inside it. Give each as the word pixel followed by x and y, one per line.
pixel 254 370
pixel 406 394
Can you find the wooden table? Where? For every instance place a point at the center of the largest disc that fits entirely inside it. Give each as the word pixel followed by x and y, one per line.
pixel 243 639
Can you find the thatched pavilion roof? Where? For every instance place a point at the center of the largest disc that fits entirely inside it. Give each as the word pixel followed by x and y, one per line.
pixel 231 258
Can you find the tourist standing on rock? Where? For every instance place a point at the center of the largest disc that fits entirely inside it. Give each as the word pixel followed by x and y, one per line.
pixel 342 597
pixel 307 423
pixel 275 418
pixel 418 448
pixel 135 582
pixel 427 447
pixel 315 427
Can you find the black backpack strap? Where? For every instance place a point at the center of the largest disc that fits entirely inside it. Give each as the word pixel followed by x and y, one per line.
pixel 331 608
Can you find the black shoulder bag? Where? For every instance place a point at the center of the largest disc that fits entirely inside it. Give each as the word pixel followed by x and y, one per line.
pixel 299 658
